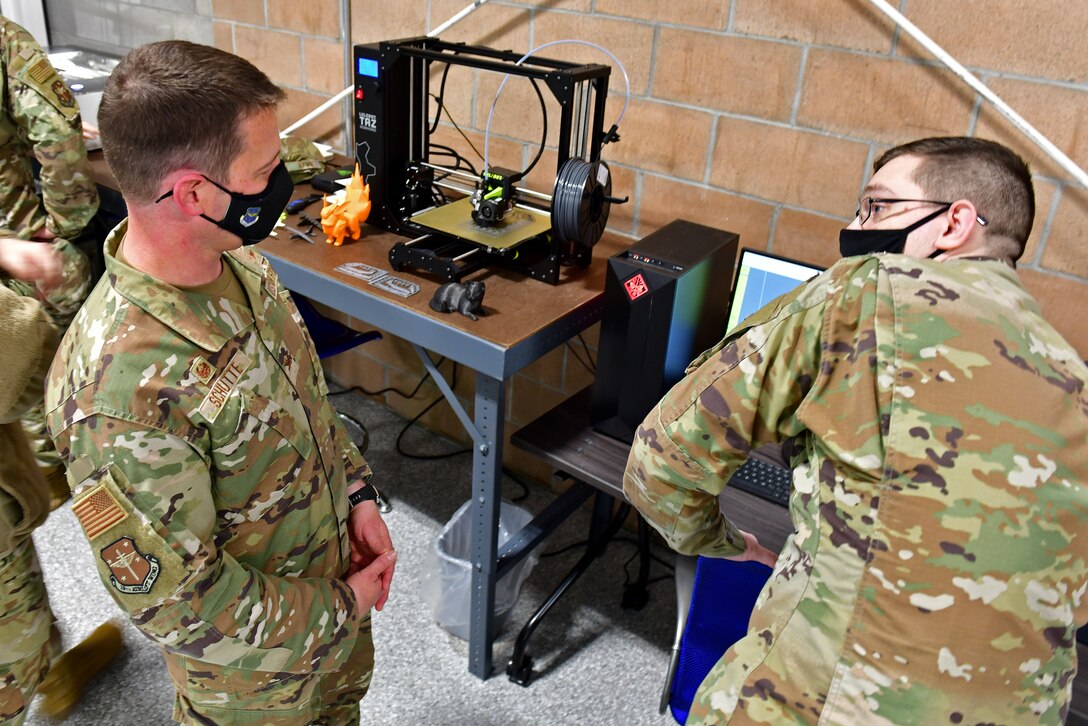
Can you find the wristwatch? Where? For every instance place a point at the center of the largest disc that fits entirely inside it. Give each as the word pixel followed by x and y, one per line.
pixel 367 493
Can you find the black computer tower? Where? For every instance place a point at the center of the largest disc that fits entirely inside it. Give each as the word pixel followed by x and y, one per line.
pixel 666 300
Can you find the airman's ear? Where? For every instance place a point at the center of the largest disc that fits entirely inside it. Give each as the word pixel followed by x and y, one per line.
pixel 191 193
pixel 962 224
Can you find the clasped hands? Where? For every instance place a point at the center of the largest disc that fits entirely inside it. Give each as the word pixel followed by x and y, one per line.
pixel 373 558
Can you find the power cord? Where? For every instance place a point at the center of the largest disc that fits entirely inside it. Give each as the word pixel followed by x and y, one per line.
pixel 544 135
pixel 415 419
pixel 421 414
pixel 524 487
pixel 462 164
pixel 591 366
pixel 391 389
pixel 442 108
pixel 653 558
pixel 440 98
pixel 626 574
pixel 585 347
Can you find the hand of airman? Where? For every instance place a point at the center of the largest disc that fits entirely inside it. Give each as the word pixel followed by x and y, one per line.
pixel 370 544
pixel 755 552
pixel 31 261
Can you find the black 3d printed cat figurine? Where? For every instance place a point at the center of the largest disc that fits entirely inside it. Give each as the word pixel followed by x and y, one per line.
pixel 466 298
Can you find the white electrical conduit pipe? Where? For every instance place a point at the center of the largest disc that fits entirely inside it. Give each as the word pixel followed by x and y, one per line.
pixel 333 101
pixel 967 77
pixel 455 19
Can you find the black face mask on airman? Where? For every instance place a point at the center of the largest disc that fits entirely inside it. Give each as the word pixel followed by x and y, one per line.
pixel 868 241
pixel 252 217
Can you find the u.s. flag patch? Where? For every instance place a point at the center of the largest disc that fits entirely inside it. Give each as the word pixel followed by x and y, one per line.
pixel 41 71
pixel 98 511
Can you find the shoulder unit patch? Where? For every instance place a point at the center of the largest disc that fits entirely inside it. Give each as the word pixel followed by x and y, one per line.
pixel 131 571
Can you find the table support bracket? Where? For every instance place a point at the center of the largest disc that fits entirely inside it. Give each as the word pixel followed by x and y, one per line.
pixel 470 428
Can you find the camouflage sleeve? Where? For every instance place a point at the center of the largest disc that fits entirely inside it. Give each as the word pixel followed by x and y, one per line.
pixel 355 466
pixel 27 343
pixel 64 300
pixel 742 393
pixel 147 508
pixel 45 109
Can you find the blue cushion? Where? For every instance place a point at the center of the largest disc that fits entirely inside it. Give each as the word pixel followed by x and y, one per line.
pixel 721 604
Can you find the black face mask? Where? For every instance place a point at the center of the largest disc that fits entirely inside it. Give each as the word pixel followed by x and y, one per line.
pixel 867 241
pixel 252 217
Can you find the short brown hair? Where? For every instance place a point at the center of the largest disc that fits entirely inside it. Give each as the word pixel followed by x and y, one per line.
pixel 990 176
pixel 176 104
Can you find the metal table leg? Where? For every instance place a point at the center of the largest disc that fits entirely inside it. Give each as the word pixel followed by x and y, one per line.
pixel 637 594
pixel 486 493
pixel 487 444
pixel 604 526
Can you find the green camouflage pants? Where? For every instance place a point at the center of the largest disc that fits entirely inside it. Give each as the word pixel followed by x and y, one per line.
pixel 26 623
pixel 62 305
pixel 216 694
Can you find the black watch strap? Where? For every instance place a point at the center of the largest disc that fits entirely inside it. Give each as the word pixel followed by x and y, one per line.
pixel 367 494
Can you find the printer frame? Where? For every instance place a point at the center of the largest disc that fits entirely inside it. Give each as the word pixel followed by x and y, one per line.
pixel 390 121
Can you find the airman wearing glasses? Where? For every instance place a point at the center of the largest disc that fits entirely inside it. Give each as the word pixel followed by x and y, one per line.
pixel 937 197
pixel 938 430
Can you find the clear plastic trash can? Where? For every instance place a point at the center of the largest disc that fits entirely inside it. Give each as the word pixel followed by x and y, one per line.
pixel 447 580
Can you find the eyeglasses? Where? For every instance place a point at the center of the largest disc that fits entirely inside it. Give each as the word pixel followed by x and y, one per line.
pixel 875 205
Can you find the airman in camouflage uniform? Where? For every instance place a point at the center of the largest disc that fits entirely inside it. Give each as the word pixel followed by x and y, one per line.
pixel 29 641
pixel 39 119
pixel 27 342
pixel 209 471
pixel 939 430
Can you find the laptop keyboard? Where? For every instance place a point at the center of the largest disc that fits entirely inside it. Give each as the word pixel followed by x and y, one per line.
pixel 764 480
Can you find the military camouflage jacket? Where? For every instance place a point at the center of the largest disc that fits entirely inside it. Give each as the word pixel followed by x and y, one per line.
pixel 938 568
pixel 40 118
pixel 209 470
pixel 27 343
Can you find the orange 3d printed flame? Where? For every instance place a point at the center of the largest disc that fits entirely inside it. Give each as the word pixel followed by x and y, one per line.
pixel 344 216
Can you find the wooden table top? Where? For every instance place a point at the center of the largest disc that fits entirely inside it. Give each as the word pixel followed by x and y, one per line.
pixel 516 306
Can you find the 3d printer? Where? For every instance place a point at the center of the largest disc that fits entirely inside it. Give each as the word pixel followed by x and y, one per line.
pixel 459 220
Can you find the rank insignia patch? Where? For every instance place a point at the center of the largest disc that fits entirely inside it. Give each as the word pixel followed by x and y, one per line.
pixel 202 370
pixel 132 571
pixel 270 278
pixel 98 511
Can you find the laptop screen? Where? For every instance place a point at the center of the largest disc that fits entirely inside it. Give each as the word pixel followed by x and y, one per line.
pixel 761 277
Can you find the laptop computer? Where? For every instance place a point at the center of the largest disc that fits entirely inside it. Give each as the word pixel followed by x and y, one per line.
pixel 761 277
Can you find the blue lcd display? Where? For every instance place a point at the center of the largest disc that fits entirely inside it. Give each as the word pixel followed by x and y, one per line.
pixel 368 67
